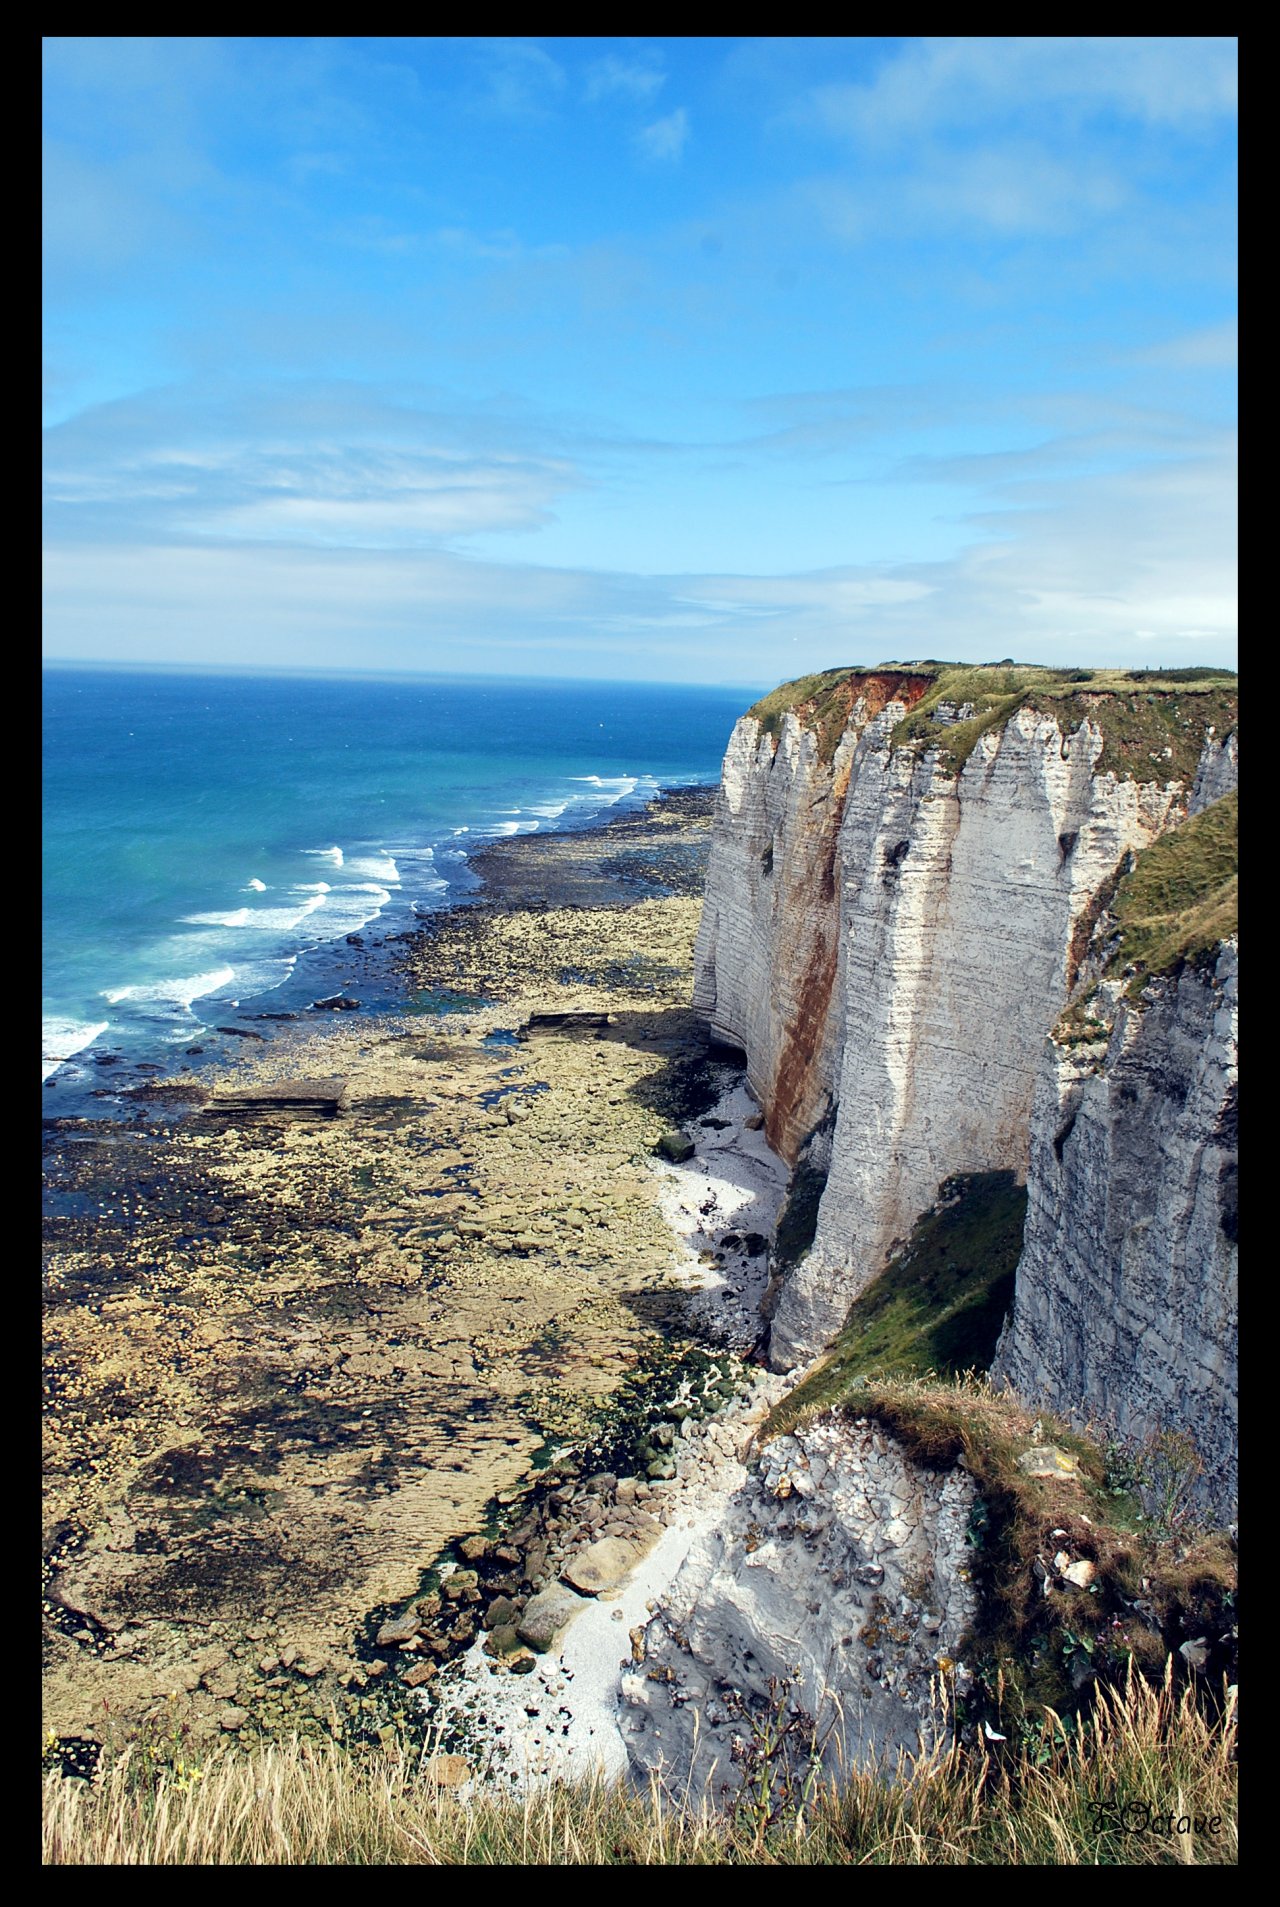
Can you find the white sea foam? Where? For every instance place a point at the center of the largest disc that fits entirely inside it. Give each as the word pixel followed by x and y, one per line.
pixel 178 992
pixel 326 854
pixel 314 887
pixel 238 917
pixel 61 1039
pixel 256 886
pixel 374 867
pixel 350 907
pixel 609 788
pixel 550 809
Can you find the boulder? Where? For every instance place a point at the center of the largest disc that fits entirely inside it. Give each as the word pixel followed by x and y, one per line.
pixel 399 1629
pixel 676 1146
pixel 501 1610
pixel 547 1615
pixel 602 1566
pixel 446 1771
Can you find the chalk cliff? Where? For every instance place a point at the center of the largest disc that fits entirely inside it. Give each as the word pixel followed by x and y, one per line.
pixel 906 867
pixel 1125 1303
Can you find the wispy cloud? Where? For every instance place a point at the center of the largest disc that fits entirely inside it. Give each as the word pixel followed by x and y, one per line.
pixel 638 77
pixel 516 79
pixel 665 139
pixel 952 84
pixel 322 465
pixel 1213 347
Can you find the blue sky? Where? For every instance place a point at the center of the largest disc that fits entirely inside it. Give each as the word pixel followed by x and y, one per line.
pixel 703 360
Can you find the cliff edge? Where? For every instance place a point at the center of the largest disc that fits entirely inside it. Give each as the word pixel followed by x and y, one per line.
pixel 908 867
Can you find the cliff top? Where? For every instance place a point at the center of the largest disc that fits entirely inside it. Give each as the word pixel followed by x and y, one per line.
pixel 1154 721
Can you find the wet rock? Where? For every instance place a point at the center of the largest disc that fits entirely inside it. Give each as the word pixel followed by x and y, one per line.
pixel 676 1146
pixel 500 1612
pixel 502 1641
pixel 456 1588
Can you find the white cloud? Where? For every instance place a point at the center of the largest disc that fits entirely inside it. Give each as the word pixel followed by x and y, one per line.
pixel 320 464
pixel 638 78
pixel 518 80
pixel 665 139
pixel 932 85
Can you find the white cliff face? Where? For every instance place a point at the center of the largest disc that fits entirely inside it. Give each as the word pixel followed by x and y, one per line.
pixel 1125 1308
pixel 896 940
pixel 840 1568
pixel 1218 773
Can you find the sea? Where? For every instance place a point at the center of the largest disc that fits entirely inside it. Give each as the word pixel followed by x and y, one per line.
pixel 209 837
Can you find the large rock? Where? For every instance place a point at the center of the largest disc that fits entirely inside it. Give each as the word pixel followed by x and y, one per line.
pixel 547 1615
pixel 399 1629
pixel 602 1566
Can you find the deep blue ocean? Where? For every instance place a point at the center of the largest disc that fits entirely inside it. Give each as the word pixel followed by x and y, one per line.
pixel 205 835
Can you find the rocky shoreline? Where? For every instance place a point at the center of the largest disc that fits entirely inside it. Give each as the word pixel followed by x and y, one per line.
pixel 381 1322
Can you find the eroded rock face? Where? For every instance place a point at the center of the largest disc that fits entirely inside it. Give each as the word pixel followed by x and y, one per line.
pixel 895 940
pixel 1126 1301
pixel 841 1569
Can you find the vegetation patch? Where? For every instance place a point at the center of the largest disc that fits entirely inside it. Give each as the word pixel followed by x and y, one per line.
pixel 1149 1780
pixel 1179 900
pixel 797 1224
pixel 1153 721
pixel 939 1305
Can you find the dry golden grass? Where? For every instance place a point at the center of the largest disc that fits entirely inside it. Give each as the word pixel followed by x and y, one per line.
pixel 1112 1795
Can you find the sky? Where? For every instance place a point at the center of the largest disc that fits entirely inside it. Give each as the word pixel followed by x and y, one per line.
pixel 704 360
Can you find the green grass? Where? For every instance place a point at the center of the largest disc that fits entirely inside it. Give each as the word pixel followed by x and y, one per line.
pixel 940 1303
pixel 1153 722
pixel 1180 898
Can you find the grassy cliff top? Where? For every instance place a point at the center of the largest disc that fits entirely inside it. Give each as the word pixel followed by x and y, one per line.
pixel 1180 898
pixel 1153 721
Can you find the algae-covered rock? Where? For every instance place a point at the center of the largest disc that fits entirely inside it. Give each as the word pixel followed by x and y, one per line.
pixel 676 1146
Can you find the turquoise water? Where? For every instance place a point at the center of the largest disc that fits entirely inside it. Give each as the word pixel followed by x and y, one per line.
pixel 204 834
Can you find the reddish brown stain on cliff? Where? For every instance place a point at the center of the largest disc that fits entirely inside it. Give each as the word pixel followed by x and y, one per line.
pixel 787 1121
pixel 792 1101
pixel 881 687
